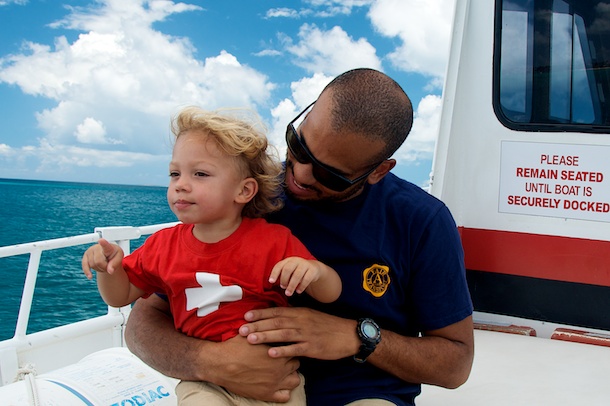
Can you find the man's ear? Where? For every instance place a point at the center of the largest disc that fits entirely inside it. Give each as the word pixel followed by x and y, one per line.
pixel 248 189
pixel 382 170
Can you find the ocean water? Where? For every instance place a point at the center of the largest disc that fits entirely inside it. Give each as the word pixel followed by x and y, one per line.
pixel 41 210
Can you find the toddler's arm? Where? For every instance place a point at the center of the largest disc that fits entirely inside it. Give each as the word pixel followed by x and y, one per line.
pixel 112 281
pixel 300 275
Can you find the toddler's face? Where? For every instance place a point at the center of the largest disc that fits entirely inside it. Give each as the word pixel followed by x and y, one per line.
pixel 204 180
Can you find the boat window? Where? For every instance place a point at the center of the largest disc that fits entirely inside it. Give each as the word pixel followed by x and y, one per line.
pixel 552 65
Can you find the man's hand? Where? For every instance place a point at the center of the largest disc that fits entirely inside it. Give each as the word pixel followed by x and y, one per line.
pixel 235 364
pixel 250 372
pixel 441 357
pixel 313 334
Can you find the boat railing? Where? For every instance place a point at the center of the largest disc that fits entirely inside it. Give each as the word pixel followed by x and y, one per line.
pixel 71 341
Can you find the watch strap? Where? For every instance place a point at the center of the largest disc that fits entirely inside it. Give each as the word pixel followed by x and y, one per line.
pixel 368 344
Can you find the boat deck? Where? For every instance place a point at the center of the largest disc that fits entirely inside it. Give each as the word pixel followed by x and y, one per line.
pixel 511 369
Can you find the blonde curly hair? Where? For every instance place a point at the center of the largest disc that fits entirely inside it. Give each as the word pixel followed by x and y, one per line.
pixel 245 140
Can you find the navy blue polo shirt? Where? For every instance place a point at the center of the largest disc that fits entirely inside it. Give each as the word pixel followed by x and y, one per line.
pixel 400 259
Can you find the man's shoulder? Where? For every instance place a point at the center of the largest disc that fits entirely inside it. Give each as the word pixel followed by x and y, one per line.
pixel 400 191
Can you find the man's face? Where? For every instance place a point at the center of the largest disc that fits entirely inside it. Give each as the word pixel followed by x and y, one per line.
pixel 347 154
pixel 315 191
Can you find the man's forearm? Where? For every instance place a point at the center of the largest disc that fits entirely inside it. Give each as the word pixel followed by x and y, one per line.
pixel 437 360
pixel 150 334
pixel 443 357
pixel 239 367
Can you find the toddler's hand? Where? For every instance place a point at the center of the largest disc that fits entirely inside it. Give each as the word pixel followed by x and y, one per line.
pixel 295 274
pixel 102 257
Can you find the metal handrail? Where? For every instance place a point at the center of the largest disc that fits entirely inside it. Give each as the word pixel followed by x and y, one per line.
pixel 121 235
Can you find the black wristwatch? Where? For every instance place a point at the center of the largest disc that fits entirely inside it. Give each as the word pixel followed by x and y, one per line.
pixel 370 335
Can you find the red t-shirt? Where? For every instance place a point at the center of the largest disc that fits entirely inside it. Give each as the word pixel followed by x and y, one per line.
pixel 211 286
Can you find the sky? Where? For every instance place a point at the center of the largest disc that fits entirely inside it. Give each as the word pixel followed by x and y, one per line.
pixel 88 87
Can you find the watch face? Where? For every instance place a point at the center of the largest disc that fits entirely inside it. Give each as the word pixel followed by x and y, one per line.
pixel 369 330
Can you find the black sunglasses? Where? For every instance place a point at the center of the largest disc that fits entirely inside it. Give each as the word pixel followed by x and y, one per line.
pixel 324 174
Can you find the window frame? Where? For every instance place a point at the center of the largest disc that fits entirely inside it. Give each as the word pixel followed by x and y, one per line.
pixel 531 125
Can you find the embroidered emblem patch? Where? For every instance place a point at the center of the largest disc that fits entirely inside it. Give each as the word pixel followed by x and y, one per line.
pixel 376 279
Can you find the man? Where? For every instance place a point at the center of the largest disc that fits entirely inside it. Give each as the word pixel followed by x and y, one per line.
pixel 405 315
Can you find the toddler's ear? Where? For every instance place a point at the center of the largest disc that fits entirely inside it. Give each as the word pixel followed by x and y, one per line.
pixel 248 189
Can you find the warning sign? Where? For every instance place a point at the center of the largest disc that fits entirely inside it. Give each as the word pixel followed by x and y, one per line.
pixel 556 180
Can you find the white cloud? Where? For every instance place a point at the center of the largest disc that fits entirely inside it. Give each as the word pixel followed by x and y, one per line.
pixel 319 8
pixel 92 131
pixel 307 90
pixel 281 115
pixel 343 4
pixel 60 157
pixel 73 163
pixel 8 2
pixel 126 75
pixel 283 12
pixel 5 150
pixel 117 84
pixel 421 140
pixel 268 52
pixel 424 28
pixel 332 52
pixel 331 8
pixel 303 92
